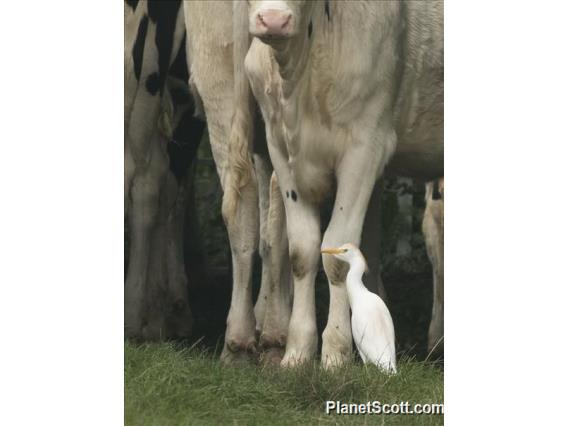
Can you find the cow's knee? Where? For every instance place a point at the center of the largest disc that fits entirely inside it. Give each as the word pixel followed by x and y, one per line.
pixel 264 248
pixel 335 270
pixel 304 256
pixel 145 202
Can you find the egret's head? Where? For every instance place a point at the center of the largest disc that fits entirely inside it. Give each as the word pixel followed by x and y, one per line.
pixel 347 252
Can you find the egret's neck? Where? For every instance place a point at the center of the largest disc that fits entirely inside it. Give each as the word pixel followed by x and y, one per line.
pixel 354 279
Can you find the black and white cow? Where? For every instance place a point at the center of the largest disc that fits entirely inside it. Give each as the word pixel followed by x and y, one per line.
pixel 159 110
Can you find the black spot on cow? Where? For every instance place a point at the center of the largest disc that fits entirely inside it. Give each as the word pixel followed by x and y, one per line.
pixel 153 83
pixel 327 10
pixel 294 195
pixel 164 15
pixel 138 49
pixel 179 65
pixel 436 192
pixel 341 208
pixel 310 29
pixel 132 4
pixel 287 194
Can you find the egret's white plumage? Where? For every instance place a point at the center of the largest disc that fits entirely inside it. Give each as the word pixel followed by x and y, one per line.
pixel 371 322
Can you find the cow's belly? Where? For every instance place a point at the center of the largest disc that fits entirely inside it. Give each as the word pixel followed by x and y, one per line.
pixel 420 129
pixel 420 150
pixel 419 162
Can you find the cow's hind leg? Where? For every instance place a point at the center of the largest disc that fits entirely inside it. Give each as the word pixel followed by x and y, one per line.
pixel 371 243
pixel 240 339
pixel 143 215
pixel 178 313
pixel 278 304
pixel 433 229
pixel 155 327
pixel 263 172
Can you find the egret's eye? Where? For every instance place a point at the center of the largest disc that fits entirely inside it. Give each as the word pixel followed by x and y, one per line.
pixel 345 250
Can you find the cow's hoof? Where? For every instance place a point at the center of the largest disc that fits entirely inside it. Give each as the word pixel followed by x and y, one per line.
pixel 236 353
pixel 273 348
pixel 238 345
pixel 336 347
pixel 301 345
pixel 293 358
pixel 267 341
pixel 154 333
pixel 272 356
pixel 332 361
pixel 435 348
pixel 132 334
pixel 133 328
pixel 237 358
pixel 179 319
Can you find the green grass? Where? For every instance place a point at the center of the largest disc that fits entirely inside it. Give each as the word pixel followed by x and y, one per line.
pixel 168 385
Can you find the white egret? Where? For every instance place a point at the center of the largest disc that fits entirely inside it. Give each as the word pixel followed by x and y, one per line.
pixel 371 322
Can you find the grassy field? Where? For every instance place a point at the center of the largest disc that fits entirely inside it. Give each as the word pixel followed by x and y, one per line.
pixel 170 385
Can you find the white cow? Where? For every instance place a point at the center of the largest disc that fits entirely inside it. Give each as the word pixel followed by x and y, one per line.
pixel 252 203
pixel 246 186
pixel 343 87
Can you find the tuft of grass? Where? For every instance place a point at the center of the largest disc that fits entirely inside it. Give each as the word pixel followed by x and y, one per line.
pixel 169 385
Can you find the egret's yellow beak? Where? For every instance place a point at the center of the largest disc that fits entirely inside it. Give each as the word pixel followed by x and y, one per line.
pixel 333 251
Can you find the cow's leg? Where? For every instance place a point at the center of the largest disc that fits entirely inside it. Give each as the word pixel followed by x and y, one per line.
pixel 304 236
pixel 356 177
pixel 278 306
pixel 263 172
pixel 243 236
pixel 178 312
pixel 143 214
pixel 371 243
pixel 433 230
pixel 210 49
pixel 142 217
pixel 241 215
pixel 155 327
pixel 129 169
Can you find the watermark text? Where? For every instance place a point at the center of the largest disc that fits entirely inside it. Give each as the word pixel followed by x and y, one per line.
pixel 377 407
